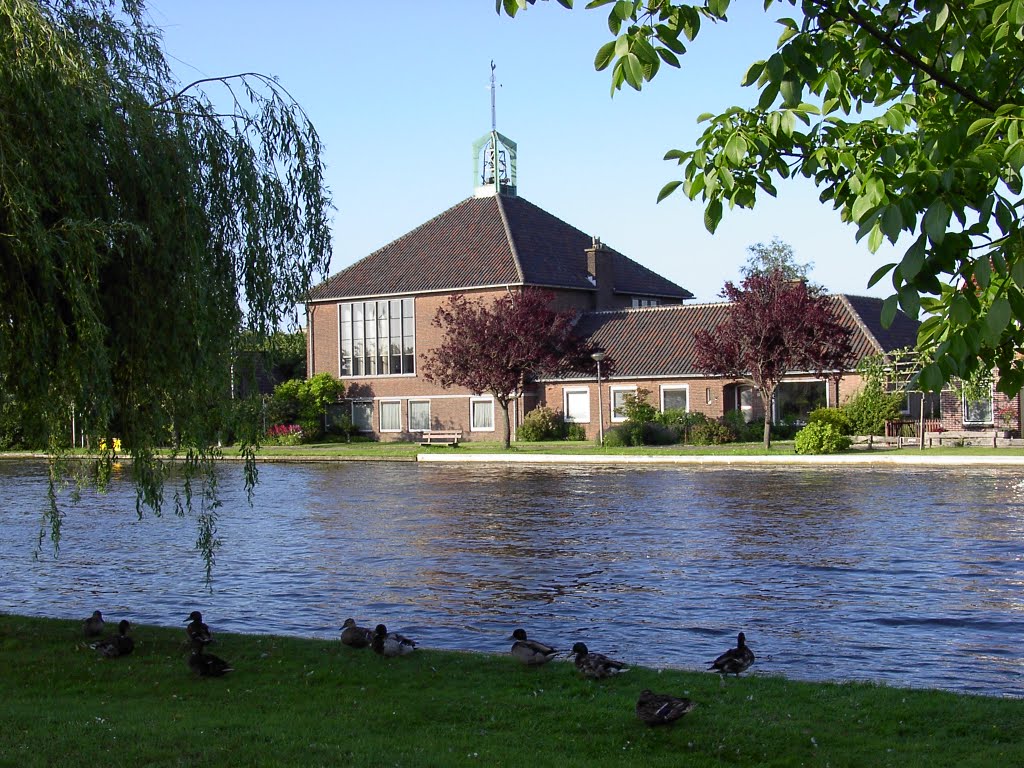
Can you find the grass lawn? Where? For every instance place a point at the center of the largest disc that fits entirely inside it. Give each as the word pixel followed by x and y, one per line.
pixel 315 702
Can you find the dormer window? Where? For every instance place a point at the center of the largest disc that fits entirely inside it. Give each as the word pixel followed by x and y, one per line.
pixel 644 301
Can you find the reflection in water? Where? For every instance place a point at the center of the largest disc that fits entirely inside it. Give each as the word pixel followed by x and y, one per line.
pixel 832 575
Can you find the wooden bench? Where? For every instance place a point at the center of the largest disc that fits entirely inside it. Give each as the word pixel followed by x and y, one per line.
pixel 441 437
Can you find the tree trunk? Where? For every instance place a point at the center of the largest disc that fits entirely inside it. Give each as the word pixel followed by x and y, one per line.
pixel 766 402
pixel 506 432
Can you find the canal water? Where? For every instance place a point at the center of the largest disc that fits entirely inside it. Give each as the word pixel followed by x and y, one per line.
pixel 912 577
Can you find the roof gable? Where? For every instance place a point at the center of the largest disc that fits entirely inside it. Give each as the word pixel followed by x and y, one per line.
pixel 488 241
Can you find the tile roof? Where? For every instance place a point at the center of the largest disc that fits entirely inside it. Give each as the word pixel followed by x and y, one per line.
pixel 659 341
pixel 488 241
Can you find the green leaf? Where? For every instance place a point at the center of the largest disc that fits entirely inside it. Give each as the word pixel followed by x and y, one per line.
pixel 960 311
pixel 768 96
pixel 1017 272
pixel 983 273
pixel 889 307
pixel 910 301
pixel 623 9
pixel 736 149
pixel 875 238
pixel 931 378
pixel 753 73
pixel 998 317
pixel 605 55
pixel 791 90
pixel 879 274
pixel 712 215
pixel 912 262
pixel 892 223
pixel 668 189
pixel 935 221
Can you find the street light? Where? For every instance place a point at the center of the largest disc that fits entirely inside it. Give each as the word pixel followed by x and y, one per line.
pixel 597 356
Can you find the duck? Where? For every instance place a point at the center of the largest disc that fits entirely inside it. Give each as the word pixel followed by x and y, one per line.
pixel 117 645
pixel 735 660
pixel 596 666
pixel 390 643
pixel 93 626
pixel 531 652
pixel 661 708
pixel 355 636
pixel 198 633
pixel 207 665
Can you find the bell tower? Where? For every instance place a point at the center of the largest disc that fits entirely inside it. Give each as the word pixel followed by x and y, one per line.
pixel 494 159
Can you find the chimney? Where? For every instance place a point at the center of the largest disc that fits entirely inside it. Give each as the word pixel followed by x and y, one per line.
pixel 599 272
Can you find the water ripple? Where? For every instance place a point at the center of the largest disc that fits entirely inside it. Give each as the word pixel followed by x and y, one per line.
pixel 832 575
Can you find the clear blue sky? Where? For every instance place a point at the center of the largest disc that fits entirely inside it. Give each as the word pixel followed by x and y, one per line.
pixel 399 96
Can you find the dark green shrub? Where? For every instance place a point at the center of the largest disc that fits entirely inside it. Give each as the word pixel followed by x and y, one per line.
pixel 742 431
pixel 653 433
pixel 834 416
pixel 869 409
pixel 541 423
pixel 711 432
pixel 575 432
pixel 820 437
pixel 617 437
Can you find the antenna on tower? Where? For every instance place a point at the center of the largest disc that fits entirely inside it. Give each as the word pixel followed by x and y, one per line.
pixel 494 114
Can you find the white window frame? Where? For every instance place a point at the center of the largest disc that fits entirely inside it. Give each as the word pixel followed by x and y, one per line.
pixel 473 402
pixel 991 409
pixel 419 402
pixel 612 391
pixel 380 414
pixel 369 421
pixel 566 392
pixel 675 388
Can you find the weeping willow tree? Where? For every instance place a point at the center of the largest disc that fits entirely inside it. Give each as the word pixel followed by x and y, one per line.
pixel 143 223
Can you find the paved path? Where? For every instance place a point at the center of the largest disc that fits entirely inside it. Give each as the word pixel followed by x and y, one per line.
pixel 873 459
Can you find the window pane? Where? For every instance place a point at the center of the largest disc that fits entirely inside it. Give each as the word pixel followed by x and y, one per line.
pixel 362 416
pixel 391 416
pixel 794 400
pixel 978 411
pixel 482 414
pixel 577 406
pixel 675 399
pixel 619 400
pixel 419 415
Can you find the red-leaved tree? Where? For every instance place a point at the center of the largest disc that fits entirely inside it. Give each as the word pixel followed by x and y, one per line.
pixel 494 347
pixel 775 326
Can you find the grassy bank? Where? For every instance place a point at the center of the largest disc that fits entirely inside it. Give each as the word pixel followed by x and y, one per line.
pixel 311 703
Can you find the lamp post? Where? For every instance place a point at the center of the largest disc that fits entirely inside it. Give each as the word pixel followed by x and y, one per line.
pixel 597 356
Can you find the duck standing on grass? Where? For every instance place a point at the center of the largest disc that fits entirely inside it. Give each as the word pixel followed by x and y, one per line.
pixel 93 626
pixel 118 645
pixel 530 652
pixel 207 665
pixel 596 666
pixel 660 708
pixel 735 660
pixel 199 634
pixel 390 644
pixel 355 636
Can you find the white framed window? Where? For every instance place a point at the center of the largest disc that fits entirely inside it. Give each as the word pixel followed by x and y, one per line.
pixel 362 415
pixel 377 338
pixel 617 399
pixel 708 399
pixel 978 411
pixel 576 405
pixel 676 398
pixel 390 415
pixel 481 414
pixel 419 415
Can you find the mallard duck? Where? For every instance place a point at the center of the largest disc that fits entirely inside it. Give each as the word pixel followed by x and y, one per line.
pixel 530 652
pixel 118 645
pixel 355 636
pixel 596 666
pixel 660 708
pixel 735 660
pixel 93 626
pixel 207 665
pixel 390 643
pixel 198 633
